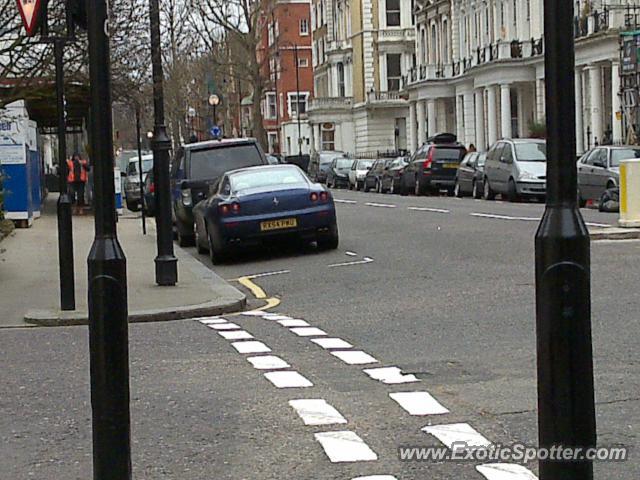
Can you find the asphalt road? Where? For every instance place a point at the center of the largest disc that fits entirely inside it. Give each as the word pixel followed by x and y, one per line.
pixel 441 288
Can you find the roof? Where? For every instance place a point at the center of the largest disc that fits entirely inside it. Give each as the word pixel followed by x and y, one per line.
pixel 525 140
pixel 218 143
pixel 263 167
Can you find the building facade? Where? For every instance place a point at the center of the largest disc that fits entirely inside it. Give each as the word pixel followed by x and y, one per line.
pixel 287 41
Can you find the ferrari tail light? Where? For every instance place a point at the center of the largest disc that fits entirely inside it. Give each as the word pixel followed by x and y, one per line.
pixel 235 207
pixel 324 196
pixel 313 197
pixel 227 208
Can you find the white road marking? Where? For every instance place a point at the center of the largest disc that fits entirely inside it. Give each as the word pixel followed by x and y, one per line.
pixel 254 313
pixel 427 209
pixel 381 205
pixel 329 343
pixel 390 375
pixel 288 379
pixel 308 331
pixel 505 471
pixel 354 357
pixel 337 200
pixel 293 322
pixel 418 403
pixel 345 446
pixel 211 321
pixel 591 224
pixel 224 326
pixel 268 274
pixel 504 217
pixel 620 240
pixel 317 412
pixel 358 262
pixel 267 362
pixel 250 347
pixel 276 317
pixel 459 435
pixel 376 477
pixel 351 254
pixel 235 335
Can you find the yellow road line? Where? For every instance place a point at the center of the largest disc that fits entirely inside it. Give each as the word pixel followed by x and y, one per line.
pixel 271 303
pixel 255 289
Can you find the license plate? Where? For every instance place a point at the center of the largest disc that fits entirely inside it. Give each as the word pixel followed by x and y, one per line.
pixel 450 165
pixel 278 224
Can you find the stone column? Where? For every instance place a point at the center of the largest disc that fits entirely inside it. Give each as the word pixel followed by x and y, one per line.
pixel 579 119
pixel 505 110
pixel 459 117
pixel 492 115
pixel 595 92
pixel 616 107
pixel 469 119
pixel 431 117
pixel 421 119
pixel 412 134
pixel 479 117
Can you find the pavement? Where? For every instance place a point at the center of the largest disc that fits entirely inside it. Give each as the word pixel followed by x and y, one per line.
pixel 440 288
pixel 30 282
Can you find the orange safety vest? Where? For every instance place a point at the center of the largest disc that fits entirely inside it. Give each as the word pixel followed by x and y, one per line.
pixel 71 177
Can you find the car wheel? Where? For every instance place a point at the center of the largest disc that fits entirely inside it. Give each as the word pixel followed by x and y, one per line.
pixel 215 251
pixel 331 240
pixel 475 192
pixel 185 234
pixel 512 191
pixel 199 247
pixel 378 186
pixel 581 202
pixel 133 206
pixel 365 187
pixel 487 192
pixel 456 189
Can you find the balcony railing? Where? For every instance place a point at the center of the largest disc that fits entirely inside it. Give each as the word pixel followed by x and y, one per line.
pixel 609 18
pixel 374 96
pixel 318 103
pixel 395 34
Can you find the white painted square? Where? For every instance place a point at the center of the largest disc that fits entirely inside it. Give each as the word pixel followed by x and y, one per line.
pixel 308 331
pixel 505 471
pixel 275 317
pixel 235 334
pixel 250 347
pixel 224 326
pixel 329 343
pixel 418 403
pixel 390 375
pixel 268 362
pixel 317 412
pixel 376 477
pixel 354 357
pixel 293 322
pixel 345 446
pixel 211 321
pixel 288 379
pixel 458 435
pixel 254 313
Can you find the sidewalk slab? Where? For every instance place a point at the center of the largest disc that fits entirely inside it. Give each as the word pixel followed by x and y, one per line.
pixel 613 233
pixel 29 275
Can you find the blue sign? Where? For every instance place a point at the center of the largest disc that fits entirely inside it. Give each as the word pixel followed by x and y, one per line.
pixel 216 131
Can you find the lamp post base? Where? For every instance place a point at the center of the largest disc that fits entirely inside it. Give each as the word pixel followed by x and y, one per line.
pixel 166 270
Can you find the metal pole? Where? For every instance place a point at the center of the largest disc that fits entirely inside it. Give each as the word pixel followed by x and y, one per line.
pixel 295 50
pixel 139 144
pixel 166 262
pixel 108 328
pixel 566 411
pixel 65 222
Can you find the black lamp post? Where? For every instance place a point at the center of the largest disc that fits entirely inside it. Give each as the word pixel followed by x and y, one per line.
pixel 566 411
pixel 166 262
pixel 107 267
pixel 214 101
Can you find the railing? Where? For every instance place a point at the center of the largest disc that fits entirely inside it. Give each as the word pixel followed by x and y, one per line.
pixel 404 34
pixel 375 96
pixel 609 18
pixel 330 102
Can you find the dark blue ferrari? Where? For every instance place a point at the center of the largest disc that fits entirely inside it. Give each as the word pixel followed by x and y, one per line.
pixel 260 204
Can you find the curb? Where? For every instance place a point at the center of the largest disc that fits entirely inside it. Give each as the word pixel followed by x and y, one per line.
pixel 613 233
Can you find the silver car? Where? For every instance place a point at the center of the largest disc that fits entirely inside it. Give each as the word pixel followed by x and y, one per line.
pixel 599 170
pixel 132 181
pixel 516 168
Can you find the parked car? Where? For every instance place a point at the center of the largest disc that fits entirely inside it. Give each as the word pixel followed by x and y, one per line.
pixel 373 178
pixel 320 163
pixel 132 181
pixel 338 174
pixel 470 175
pixel 358 171
pixel 197 166
pixel 253 205
pixel 516 168
pixel 300 160
pixel 599 170
pixel 149 203
pixel 434 165
pixel 391 175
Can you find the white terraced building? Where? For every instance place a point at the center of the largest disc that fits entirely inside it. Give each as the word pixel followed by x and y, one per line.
pixel 477 71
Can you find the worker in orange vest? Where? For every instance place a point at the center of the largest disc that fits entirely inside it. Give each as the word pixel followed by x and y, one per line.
pixel 77 178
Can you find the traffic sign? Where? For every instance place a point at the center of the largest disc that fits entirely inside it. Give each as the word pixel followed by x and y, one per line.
pixel 30 13
pixel 216 131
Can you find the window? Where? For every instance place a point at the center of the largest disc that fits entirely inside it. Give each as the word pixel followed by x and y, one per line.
pixel 393 72
pixel 297 103
pixel 273 141
pixel 272 35
pixel 303 62
pixel 341 89
pixel 304 26
pixel 272 106
pixel 393 13
pixel 328 140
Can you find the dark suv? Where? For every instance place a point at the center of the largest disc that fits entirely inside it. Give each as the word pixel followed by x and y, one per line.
pixel 197 166
pixel 434 165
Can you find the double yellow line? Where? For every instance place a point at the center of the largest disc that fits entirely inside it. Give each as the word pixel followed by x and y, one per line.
pixel 258 292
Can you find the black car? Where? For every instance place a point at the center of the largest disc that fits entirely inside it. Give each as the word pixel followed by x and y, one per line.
pixel 392 174
pixel 197 166
pixel 149 198
pixel 470 175
pixel 338 173
pixel 434 165
pixel 373 178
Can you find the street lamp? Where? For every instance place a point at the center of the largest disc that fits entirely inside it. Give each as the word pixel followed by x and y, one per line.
pixel 214 101
pixel 166 262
